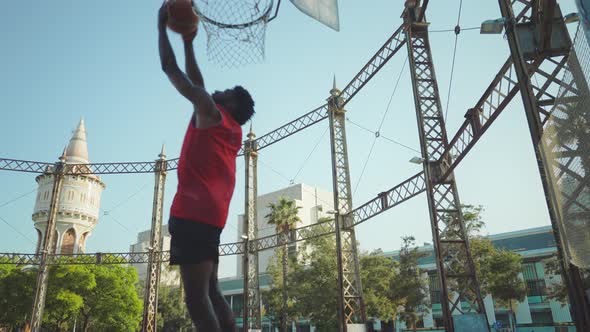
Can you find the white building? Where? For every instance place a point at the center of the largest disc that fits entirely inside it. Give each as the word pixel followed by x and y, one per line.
pixel 314 203
pixel 169 276
pixel 79 200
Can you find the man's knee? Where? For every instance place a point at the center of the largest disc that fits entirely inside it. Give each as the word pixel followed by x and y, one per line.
pixel 196 277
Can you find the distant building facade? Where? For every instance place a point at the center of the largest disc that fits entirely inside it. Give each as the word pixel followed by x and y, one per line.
pixel 169 276
pixel 314 203
pixel 536 314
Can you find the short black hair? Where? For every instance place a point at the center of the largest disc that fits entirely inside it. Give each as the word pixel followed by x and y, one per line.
pixel 244 105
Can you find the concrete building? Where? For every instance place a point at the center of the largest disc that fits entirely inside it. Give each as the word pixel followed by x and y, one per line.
pixel 313 203
pixel 79 201
pixel 169 276
pixel 537 313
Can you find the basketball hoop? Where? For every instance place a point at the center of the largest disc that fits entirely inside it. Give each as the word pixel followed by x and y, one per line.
pixel 235 29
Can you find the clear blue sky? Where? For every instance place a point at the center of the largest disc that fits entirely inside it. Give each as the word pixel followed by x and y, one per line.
pixel 61 61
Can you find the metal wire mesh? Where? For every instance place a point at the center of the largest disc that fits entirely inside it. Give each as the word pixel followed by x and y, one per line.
pixel 566 141
pixel 235 30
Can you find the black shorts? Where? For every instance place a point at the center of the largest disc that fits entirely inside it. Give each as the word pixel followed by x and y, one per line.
pixel 193 242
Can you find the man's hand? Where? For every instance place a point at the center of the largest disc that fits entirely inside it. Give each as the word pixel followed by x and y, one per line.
pixel 163 15
pixel 189 37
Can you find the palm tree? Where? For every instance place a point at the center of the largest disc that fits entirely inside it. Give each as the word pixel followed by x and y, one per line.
pixel 283 215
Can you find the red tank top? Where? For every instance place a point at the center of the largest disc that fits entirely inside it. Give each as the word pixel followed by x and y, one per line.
pixel 207 172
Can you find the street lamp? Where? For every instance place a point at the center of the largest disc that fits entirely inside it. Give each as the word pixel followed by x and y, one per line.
pixel 492 26
pixel 571 18
pixel 417 160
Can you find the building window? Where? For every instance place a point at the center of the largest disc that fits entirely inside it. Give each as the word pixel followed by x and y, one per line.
pixel 69 238
pixel 237 305
pixel 503 319
pixel 542 317
pixel 439 322
pixel 420 323
pixel 434 287
pixel 535 285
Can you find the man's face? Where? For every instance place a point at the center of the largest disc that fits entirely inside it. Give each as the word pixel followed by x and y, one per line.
pixel 222 96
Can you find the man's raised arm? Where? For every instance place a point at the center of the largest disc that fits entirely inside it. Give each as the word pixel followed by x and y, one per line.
pixel 191 67
pixel 167 57
pixel 193 92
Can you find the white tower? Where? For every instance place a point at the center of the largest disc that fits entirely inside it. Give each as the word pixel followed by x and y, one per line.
pixel 79 201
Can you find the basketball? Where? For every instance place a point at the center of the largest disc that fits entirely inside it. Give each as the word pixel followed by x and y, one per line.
pixel 182 17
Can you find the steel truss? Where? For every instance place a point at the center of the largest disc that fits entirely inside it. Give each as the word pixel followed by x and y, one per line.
pixel 478 119
pixel 455 267
pixel 150 302
pixel 81 169
pixel 48 246
pixel 252 318
pixel 381 57
pixel 351 307
pixel 556 159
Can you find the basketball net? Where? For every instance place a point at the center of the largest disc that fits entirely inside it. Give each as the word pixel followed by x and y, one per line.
pixel 235 30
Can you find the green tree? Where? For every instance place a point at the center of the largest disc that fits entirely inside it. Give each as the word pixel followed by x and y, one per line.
pixel 497 269
pixel 113 305
pixel 97 297
pixel 64 300
pixel 16 295
pixel 378 273
pixel 272 299
pixel 312 285
pixel 284 215
pixel 172 315
pixel 314 282
pixel 409 288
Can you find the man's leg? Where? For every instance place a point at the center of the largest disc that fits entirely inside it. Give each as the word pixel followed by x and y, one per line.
pixel 222 309
pixel 196 279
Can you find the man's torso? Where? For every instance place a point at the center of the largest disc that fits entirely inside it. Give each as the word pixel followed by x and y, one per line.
pixel 207 172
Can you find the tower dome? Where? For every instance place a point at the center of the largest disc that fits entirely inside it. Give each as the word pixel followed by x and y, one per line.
pixel 77 150
pixel 79 200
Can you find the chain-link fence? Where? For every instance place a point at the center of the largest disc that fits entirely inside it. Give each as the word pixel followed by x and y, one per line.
pixel 566 141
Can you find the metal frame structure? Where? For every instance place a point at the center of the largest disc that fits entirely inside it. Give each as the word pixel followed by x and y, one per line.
pixel 442 159
pixel 150 302
pixel 48 245
pixel 551 45
pixel 351 307
pixel 252 318
pixel 454 263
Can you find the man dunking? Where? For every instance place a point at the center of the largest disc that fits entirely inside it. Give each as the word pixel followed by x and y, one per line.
pixel 206 181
